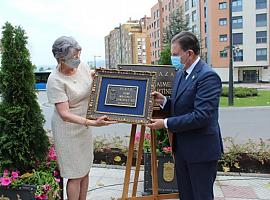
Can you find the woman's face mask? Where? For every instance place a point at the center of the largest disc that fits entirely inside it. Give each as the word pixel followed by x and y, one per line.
pixel 73 62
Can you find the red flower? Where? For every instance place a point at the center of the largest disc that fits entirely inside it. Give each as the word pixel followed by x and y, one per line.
pixel 41 197
pixel 137 136
pixel 6 172
pixel 5 181
pixel 55 173
pixel 57 180
pixel 15 175
pixel 148 136
pixel 46 187
pixel 52 154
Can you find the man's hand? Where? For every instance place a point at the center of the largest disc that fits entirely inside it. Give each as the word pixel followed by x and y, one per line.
pixel 158 97
pixel 156 124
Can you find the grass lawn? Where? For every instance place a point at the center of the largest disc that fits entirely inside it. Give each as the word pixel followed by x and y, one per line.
pixel 263 99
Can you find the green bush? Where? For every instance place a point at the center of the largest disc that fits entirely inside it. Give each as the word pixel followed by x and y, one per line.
pixel 23 141
pixel 240 92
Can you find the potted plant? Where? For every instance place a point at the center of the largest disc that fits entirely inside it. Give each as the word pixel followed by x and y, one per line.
pixel 26 171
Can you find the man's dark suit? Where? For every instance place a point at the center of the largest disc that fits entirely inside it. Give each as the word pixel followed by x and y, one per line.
pixel 197 142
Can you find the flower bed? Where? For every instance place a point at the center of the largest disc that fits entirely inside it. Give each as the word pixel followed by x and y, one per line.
pixel 43 182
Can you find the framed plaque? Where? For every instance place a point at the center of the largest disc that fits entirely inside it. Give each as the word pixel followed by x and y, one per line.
pixel 124 96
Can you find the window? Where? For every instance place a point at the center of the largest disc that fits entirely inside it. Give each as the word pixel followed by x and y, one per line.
pixel 237 38
pixel 237 5
pixel 193 3
pixel 223 21
pixel 223 38
pixel 238 55
pixel 194 16
pixel 261 37
pixel 261 4
pixel 205 27
pixel 166 7
pixel 205 12
pixel 187 18
pixel 186 5
pixel 261 20
pixel 237 22
pixel 261 54
pixel 223 54
pixel 194 29
pixel 222 5
pixel 205 42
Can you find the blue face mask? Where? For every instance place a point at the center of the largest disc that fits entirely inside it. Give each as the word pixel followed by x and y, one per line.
pixel 176 62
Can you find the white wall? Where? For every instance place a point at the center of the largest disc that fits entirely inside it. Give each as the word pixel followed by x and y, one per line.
pixel 249 34
pixel 224 74
pixel 266 75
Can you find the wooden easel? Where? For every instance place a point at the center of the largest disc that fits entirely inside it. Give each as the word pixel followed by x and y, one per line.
pixel 155 195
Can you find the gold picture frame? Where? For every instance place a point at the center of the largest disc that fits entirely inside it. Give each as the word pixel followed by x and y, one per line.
pixel 124 96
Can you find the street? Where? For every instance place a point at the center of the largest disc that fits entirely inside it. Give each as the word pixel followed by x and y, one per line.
pixel 239 123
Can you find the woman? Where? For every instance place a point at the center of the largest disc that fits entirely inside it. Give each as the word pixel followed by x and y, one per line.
pixel 68 88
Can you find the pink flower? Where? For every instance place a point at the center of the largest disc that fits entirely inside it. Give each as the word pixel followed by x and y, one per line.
pixel 6 172
pixel 52 154
pixel 46 187
pixel 55 173
pixel 148 136
pixel 57 180
pixel 165 149
pixel 137 136
pixel 5 181
pixel 15 175
pixel 41 197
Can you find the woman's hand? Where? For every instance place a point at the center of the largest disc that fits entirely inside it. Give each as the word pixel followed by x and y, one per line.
pixel 102 121
pixel 92 73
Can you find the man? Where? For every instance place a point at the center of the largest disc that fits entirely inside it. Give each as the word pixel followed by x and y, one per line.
pixel 193 121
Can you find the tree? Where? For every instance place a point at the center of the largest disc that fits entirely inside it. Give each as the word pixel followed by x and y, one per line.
pixel 177 24
pixel 165 56
pixel 23 141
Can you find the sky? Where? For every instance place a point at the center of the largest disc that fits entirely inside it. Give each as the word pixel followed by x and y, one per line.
pixel 87 21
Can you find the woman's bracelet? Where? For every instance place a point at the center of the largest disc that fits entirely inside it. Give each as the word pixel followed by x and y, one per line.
pixel 85 123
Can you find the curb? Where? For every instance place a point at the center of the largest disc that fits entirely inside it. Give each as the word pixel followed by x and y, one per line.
pixel 218 173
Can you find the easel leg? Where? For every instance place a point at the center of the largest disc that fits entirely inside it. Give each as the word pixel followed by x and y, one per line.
pixel 138 164
pixel 129 162
pixel 154 164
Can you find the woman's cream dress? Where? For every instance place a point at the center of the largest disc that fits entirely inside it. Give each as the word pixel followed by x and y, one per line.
pixel 73 142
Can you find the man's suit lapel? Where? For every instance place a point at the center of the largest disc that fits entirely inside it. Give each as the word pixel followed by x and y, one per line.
pixel 177 81
pixel 193 76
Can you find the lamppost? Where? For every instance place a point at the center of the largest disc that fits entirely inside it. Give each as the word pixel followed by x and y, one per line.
pixel 230 95
pixel 233 50
pixel 95 64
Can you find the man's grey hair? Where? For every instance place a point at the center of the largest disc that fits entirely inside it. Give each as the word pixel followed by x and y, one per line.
pixel 64 47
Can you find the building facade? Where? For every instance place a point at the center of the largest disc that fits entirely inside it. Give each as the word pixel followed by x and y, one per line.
pixel 250 38
pixel 128 44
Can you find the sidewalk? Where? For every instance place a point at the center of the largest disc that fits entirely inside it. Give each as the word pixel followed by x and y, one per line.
pixel 106 183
